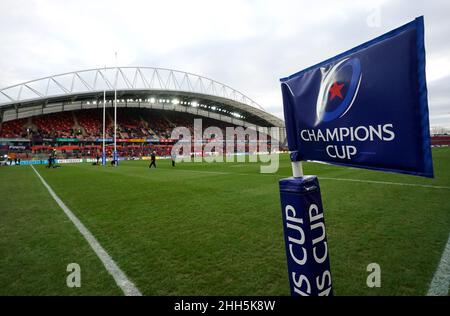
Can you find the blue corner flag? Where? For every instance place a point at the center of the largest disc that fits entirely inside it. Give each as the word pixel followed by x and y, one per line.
pixel 364 108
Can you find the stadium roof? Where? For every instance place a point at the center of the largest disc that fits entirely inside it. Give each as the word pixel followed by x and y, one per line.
pixel 33 97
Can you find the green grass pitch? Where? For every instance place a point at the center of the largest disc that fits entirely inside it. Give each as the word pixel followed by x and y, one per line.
pixel 214 229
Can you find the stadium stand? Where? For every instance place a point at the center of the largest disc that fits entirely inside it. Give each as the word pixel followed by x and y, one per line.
pixel 131 124
pixel 76 134
pixel 91 122
pixel 13 129
pixel 440 140
pixel 158 123
pixel 55 125
pixel 148 111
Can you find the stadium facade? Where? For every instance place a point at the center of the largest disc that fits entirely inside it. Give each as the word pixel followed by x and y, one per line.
pixel 25 106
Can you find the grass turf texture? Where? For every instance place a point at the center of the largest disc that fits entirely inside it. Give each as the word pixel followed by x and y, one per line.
pixel 214 229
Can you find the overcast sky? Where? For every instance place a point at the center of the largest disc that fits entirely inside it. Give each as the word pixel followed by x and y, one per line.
pixel 248 45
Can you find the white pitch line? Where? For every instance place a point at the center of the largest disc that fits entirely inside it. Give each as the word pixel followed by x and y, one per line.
pixel 428 186
pixel 128 287
pixel 389 183
pixel 441 280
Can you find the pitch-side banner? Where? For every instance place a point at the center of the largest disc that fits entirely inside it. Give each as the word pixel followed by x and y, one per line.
pixel 364 108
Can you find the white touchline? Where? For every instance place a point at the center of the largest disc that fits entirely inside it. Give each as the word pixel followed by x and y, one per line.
pixel 119 276
pixel 428 186
pixel 387 182
pixel 441 280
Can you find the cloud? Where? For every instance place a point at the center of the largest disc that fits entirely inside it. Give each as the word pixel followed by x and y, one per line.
pixel 248 45
pixel 439 102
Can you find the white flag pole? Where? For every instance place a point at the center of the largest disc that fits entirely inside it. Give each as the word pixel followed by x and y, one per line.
pixel 297 169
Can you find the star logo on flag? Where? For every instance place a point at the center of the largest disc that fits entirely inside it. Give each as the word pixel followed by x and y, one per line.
pixel 335 90
pixel 338 89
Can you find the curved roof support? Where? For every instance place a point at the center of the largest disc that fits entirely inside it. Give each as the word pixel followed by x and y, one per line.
pixel 126 78
pixel 91 81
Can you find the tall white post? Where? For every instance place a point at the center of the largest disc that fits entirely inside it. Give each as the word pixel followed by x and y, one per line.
pixel 104 124
pixel 115 156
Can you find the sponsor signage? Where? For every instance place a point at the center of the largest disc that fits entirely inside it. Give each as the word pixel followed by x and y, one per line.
pixel 99 140
pixel 70 140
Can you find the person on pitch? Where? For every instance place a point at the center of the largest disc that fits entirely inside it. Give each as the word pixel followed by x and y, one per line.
pixel 153 159
pixel 173 157
pixel 50 160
